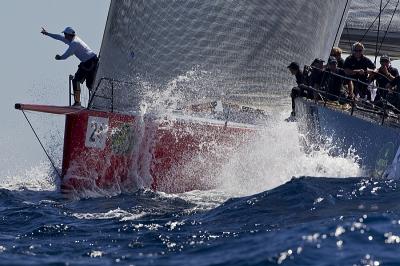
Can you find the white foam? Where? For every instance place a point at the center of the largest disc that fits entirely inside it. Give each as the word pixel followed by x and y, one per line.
pixel 118 213
pixel 201 199
pixel 38 178
pixel 96 254
pixel 277 156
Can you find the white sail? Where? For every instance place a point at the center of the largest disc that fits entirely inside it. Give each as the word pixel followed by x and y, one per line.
pixel 211 48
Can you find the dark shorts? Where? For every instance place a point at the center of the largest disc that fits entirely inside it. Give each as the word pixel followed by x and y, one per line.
pixel 302 91
pixel 86 71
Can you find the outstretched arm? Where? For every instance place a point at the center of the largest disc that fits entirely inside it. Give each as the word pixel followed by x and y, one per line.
pixel 54 36
pixel 70 51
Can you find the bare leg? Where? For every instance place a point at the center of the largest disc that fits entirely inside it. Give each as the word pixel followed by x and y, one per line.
pixel 77 93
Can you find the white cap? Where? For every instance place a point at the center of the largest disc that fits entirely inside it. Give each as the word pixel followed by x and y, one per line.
pixel 69 30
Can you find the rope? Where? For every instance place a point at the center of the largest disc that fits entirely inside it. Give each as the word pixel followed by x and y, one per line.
pixel 387 29
pixel 355 80
pixel 348 38
pixel 373 22
pixel 37 137
pixel 340 23
pixel 377 34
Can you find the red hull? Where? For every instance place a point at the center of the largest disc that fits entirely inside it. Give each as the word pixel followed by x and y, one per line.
pixel 106 151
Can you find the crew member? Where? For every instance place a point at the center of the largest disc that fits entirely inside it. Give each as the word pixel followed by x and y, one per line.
pixel 357 66
pixel 334 82
pixel 393 96
pixel 89 60
pixel 316 74
pixel 385 74
pixel 337 53
pixel 295 70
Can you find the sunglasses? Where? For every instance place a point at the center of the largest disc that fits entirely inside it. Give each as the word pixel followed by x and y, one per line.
pixel 358 50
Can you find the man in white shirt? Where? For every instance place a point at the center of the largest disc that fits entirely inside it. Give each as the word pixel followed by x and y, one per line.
pixel 89 60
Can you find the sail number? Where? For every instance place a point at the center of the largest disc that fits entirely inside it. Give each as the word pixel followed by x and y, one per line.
pixel 96 132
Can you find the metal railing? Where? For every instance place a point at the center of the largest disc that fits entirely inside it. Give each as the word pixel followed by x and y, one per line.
pixel 319 94
pixel 71 94
pixel 361 105
pixel 93 94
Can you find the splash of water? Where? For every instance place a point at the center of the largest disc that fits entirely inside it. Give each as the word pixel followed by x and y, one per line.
pixel 193 86
pixel 38 178
pixel 277 156
pixel 271 160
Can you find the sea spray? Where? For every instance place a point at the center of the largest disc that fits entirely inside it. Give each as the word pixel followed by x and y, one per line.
pixel 277 156
pixel 37 178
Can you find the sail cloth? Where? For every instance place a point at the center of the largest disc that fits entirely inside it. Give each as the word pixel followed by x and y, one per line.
pixel 188 50
pixel 362 25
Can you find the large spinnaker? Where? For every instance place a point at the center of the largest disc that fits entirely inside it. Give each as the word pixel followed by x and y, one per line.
pixel 229 47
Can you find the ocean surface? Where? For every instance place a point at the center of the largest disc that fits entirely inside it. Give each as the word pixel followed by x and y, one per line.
pixel 305 221
pixel 275 205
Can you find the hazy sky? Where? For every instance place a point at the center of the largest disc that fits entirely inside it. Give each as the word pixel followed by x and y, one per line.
pixel 29 73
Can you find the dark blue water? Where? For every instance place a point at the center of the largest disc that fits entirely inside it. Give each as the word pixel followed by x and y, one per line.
pixel 307 221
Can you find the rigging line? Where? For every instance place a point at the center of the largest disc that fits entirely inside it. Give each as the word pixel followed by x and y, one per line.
pixel 373 22
pixel 37 137
pixel 387 29
pixel 348 36
pixel 340 23
pixel 377 34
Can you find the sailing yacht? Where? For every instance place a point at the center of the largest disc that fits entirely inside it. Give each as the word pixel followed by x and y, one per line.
pixel 178 84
